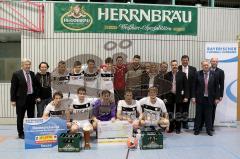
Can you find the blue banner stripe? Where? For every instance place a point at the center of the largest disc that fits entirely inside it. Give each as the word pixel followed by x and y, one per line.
pixel 234 59
pixel 229 93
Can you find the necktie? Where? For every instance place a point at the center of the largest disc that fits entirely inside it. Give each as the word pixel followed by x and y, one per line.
pixel 29 86
pixel 206 84
pixel 185 70
pixel 174 84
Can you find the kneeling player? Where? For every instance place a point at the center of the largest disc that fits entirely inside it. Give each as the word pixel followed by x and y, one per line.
pixel 82 114
pixel 154 110
pixel 129 109
pixel 57 107
pixel 104 109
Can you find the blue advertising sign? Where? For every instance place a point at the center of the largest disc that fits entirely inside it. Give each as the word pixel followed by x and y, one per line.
pixel 43 133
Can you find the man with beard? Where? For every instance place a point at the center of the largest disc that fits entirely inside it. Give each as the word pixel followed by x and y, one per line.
pixel 133 77
pixel 177 97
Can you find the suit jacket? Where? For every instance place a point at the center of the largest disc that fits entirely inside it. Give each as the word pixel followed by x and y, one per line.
pixel 213 89
pixel 19 87
pixel 221 77
pixel 164 86
pixel 191 78
pixel 182 89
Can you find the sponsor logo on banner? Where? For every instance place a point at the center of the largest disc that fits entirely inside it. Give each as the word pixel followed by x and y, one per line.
pixel 43 133
pixel 44 139
pixel 76 19
pixel 121 18
pixel 225 52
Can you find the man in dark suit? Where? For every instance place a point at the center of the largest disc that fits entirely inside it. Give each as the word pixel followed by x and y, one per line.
pixel 179 95
pixel 221 77
pixel 147 78
pixel 163 85
pixel 190 74
pixel 205 95
pixel 23 94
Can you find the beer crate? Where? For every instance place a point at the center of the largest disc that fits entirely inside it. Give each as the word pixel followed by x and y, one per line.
pixel 70 142
pixel 151 138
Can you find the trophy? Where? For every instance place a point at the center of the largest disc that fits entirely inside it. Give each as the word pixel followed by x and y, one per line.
pixel 86 132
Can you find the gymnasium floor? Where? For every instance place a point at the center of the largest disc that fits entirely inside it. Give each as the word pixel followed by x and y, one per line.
pixel 225 144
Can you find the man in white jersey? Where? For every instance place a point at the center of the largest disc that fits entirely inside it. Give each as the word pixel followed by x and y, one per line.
pixel 91 74
pixel 129 109
pixel 154 110
pixel 82 114
pixel 76 79
pixel 82 111
pixel 60 79
pixel 56 108
pixel 106 76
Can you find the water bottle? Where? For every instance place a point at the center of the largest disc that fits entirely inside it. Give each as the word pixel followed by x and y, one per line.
pixel 138 137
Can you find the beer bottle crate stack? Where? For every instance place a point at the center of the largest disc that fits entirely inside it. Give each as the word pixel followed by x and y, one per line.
pixel 151 138
pixel 70 142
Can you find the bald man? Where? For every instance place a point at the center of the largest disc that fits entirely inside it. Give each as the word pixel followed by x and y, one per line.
pixel 221 77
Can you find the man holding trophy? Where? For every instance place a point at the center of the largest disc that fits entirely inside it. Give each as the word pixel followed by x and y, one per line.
pixel 81 109
pixel 129 109
pixel 154 110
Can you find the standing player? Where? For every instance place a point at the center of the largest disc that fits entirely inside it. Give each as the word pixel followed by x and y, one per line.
pixel 91 74
pixel 76 79
pixel 60 78
pixel 106 75
pixel 120 70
